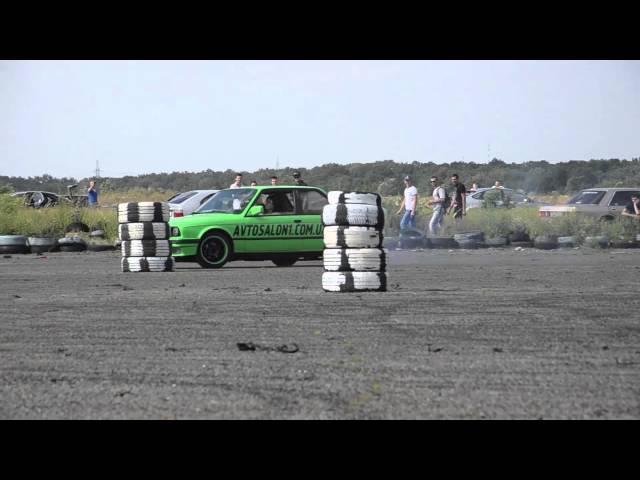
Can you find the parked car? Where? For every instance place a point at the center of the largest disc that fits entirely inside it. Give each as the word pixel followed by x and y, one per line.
pixel 38 198
pixel 514 198
pixel 282 224
pixel 186 203
pixel 603 203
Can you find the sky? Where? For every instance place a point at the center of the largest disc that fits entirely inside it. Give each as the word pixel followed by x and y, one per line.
pixel 136 117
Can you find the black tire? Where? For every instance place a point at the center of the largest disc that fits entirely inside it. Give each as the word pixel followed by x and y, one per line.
pixel 546 242
pixel 100 246
pixel 72 244
pixel 496 242
pixel 522 244
pixel 214 250
pixel 442 242
pixel 477 236
pixel 40 245
pixel 467 244
pixel 13 244
pixel 519 237
pixel 77 227
pixel 284 261
pixel 624 244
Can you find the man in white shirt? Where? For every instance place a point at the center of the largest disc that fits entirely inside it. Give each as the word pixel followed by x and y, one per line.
pixel 437 203
pixel 238 182
pixel 410 204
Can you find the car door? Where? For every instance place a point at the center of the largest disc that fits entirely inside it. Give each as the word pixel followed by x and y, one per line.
pixel 274 230
pixel 310 203
pixel 619 200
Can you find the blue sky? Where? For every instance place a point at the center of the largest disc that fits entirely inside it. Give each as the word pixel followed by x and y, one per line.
pixel 134 117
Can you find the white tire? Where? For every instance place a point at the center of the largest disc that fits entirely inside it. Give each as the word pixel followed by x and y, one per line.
pixel 355 259
pixel 337 197
pixel 145 248
pixel 353 215
pixel 352 237
pixel 143 212
pixel 147 264
pixel 354 281
pixel 143 231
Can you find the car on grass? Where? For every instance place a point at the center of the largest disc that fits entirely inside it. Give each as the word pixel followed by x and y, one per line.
pixel 278 223
pixel 602 203
pixel 38 198
pixel 502 197
pixel 185 203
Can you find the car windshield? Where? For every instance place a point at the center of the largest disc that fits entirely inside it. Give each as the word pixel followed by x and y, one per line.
pixel 228 201
pixel 587 198
pixel 181 197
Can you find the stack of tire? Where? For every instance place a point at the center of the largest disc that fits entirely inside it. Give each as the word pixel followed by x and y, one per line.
pixel 144 235
pixel 354 259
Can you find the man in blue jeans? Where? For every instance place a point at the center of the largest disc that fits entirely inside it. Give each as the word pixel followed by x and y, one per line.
pixel 410 204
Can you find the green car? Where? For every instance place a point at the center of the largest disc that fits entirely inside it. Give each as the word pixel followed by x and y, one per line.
pixel 282 224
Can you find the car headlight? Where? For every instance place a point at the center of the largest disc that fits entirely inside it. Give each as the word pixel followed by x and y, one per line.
pixel 175 232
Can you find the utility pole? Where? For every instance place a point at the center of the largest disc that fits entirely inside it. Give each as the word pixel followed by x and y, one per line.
pixel 97 169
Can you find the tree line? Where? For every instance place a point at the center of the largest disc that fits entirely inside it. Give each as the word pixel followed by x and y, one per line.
pixel 385 177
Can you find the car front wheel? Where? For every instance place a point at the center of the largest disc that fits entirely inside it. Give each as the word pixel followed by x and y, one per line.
pixel 214 250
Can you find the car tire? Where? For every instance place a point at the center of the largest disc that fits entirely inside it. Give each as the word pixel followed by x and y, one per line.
pixel 528 244
pixel 496 242
pixel 477 236
pixel 623 244
pixel 145 248
pixel 467 244
pixel 97 246
pixel 143 231
pixel 147 264
pixel 285 260
pixel 214 250
pixel 567 242
pixel 354 281
pixel 546 242
pixel 442 242
pixel 77 227
pixel 599 241
pixel 42 244
pixel 143 212
pixel 355 259
pixel 13 244
pixel 363 198
pixel 519 237
pixel 72 244
pixel 353 215
pixel 351 237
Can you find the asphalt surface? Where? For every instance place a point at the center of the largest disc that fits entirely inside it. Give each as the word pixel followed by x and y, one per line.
pixel 485 334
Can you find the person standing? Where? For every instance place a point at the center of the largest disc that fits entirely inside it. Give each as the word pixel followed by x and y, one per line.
pixel 297 178
pixel 410 204
pixel 459 205
pixel 238 182
pixel 437 203
pixel 274 181
pixel 254 183
pixel 92 194
pixel 632 209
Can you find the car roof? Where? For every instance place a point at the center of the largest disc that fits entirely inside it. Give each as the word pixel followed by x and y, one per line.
pixel 608 189
pixel 491 188
pixel 33 191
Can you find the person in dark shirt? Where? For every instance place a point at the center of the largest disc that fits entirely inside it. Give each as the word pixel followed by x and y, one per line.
pixel 298 179
pixel 458 206
pixel 633 208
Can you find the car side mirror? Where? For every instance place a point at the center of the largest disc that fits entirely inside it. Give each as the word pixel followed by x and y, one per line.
pixel 256 211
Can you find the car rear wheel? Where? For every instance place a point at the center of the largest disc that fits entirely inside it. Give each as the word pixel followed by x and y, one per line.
pixel 214 250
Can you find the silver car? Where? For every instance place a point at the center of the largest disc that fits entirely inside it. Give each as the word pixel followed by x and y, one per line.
pixel 603 203
pixel 515 199
pixel 186 202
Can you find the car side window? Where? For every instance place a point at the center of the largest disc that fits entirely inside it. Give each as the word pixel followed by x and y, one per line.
pixel 311 202
pixel 277 202
pixel 206 198
pixel 620 199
